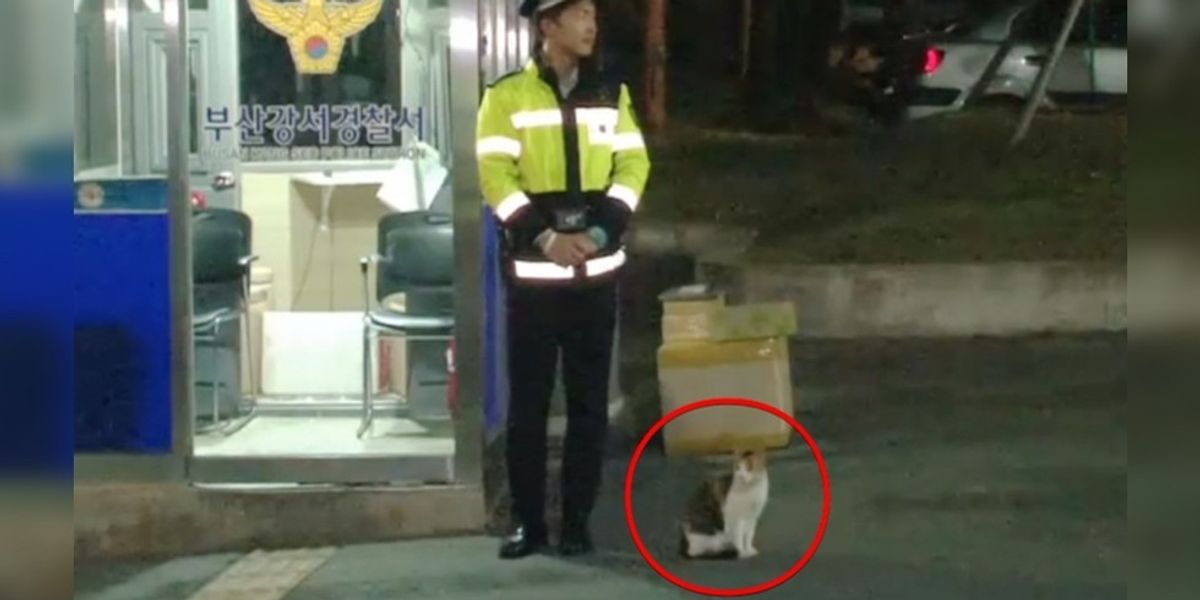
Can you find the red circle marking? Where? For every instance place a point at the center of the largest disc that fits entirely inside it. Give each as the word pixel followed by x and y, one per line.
pixel 731 592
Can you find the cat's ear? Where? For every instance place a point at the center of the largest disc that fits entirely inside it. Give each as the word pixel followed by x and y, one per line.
pixel 755 459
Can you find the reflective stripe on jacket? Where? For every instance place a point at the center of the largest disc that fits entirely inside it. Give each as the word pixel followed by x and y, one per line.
pixel 545 160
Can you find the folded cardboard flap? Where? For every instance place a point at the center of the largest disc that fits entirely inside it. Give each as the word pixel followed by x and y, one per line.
pixel 688 326
pixel 697 312
pixel 688 312
pixel 693 307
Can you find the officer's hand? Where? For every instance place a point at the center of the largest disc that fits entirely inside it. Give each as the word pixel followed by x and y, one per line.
pixel 565 250
pixel 585 244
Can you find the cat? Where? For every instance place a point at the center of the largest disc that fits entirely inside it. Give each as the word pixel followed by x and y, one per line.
pixel 722 515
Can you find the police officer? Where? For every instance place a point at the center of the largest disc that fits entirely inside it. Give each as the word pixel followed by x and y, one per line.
pixel 563 165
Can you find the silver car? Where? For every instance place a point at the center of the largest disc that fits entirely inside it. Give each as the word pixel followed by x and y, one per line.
pixel 1093 69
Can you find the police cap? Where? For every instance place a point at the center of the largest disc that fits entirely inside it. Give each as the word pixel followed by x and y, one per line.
pixel 531 7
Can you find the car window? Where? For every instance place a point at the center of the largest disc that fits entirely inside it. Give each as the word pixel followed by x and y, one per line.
pixel 1112 23
pixel 1041 23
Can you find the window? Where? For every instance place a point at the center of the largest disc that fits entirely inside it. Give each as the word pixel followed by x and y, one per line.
pixel 1112 23
pixel 368 75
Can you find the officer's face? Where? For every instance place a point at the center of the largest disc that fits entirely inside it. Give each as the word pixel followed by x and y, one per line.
pixel 575 29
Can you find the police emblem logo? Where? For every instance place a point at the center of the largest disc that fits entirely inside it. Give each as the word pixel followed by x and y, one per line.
pixel 90 195
pixel 316 30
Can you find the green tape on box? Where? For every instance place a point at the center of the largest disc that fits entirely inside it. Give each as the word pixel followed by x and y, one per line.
pixel 754 321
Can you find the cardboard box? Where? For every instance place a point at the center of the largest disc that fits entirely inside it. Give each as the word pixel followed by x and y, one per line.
pixel 754 321
pixel 752 369
pixel 688 313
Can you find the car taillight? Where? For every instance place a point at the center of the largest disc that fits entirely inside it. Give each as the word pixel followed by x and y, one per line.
pixel 933 60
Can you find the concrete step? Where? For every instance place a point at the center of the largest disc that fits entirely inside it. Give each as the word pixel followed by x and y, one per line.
pixel 147 521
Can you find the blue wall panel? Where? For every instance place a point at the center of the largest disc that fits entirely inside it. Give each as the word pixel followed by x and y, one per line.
pixel 495 348
pixel 123 323
pixel 35 330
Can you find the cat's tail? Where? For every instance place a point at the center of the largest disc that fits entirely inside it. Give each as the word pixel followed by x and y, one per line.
pixel 700 546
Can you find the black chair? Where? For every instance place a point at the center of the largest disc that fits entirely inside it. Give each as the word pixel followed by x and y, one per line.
pixel 415 257
pixel 221 260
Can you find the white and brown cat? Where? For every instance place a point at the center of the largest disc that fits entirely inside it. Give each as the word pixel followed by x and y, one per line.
pixel 723 513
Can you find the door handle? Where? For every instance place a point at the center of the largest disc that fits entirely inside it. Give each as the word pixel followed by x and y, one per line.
pixel 1036 60
pixel 224 180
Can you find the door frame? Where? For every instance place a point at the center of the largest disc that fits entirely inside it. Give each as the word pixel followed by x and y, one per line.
pixel 465 466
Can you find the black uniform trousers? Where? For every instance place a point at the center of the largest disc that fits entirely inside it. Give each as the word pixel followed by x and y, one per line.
pixel 542 321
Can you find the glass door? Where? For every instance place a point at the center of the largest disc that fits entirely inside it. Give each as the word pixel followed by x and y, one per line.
pixel 323 263
pixel 212 75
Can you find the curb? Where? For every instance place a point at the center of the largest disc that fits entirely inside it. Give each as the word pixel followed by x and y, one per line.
pixel 1002 299
pixel 711 243
pixel 936 300
pixel 151 521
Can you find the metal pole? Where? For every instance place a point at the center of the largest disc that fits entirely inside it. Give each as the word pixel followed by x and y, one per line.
pixel 747 28
pixel 656 64
pixel 1043 79
pixel 989 73
pixel 179 214
pixel 465 65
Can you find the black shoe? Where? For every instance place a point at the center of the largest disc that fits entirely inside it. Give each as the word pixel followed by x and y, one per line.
pixel 522 543
pixel 576 540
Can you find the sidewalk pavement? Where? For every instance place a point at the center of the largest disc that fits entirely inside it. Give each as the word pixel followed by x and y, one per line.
pixel 1005 479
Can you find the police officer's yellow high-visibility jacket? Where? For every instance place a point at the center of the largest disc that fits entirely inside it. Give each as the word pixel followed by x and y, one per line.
pixel 564 164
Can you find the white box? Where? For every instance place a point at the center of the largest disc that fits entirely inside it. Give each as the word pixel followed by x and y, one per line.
pixel 312 353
